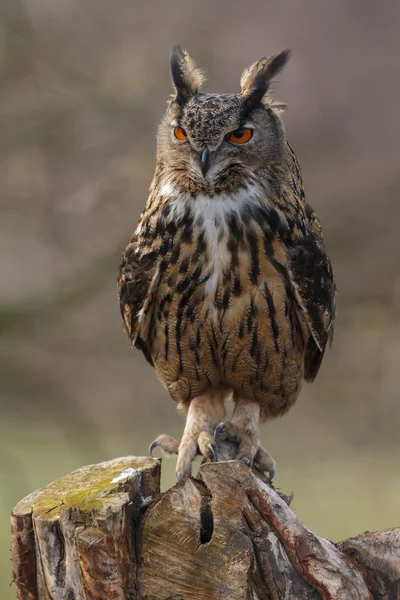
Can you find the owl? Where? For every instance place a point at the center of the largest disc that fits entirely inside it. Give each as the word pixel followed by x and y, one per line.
pixel 226 286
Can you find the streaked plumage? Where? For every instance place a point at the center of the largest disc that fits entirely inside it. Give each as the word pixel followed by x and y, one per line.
pixel 226 285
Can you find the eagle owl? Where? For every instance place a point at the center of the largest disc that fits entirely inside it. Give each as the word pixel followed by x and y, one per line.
pixel 226 285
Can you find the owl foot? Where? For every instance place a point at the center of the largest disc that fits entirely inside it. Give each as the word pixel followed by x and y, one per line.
pixel 191 445
pixel 250 450
pixel 203 445
pixel 265 463
pixel 203 414
pixel 167 443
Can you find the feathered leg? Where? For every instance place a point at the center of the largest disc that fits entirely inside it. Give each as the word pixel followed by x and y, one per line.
pixel 244 429
pixel 203 415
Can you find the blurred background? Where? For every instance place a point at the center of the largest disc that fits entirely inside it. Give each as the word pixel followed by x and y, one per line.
pixel 83 85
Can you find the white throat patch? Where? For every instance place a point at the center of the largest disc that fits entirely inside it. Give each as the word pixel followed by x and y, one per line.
pixel 213 213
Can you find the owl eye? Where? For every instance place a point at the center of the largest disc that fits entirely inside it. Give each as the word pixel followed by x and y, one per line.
pixel 180 134
pixel 242 135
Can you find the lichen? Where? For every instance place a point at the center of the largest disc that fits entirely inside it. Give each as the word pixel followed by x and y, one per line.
pixel 87 488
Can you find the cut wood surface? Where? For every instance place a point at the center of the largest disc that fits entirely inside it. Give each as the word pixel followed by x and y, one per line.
pixel 106 532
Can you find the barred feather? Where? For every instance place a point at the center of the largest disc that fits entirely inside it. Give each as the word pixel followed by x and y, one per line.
pixel 226 283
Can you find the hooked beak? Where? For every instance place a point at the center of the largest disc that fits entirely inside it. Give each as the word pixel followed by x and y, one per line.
pixel 205 161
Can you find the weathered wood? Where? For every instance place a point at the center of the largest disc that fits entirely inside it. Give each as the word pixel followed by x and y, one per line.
pixel 76 537
pixel 106 532
pixel 379 554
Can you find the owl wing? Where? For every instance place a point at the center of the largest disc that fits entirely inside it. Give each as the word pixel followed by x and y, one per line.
pixel 314 289
pixel 137 279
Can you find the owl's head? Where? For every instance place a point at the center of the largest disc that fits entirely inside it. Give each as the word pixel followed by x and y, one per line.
pixel 206 137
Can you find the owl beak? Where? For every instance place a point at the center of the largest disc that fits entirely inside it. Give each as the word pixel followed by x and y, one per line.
pixel 205 161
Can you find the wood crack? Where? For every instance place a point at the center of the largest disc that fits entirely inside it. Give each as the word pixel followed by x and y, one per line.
pixel 223 536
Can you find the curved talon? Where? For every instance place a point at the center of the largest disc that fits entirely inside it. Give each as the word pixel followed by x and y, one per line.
pixel 153 445
pixel 246 461
pixel 180 475
pixel 213 452
pixel 219 431
pixel 271 475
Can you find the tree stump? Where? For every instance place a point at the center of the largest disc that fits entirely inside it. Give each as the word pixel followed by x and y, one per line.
pixel 106 532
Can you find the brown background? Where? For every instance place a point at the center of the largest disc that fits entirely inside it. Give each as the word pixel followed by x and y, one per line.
pixel 83 84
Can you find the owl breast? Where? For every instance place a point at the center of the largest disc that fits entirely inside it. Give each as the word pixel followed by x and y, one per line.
pixel 222 315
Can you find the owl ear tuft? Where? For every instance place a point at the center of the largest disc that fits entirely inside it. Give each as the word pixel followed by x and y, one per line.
pixel 186 76
pixel 256 79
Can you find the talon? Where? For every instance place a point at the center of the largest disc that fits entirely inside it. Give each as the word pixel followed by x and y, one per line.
pixel 180 475
pixel 152 446
pixel 213 452
pixel 246 461
pixel 271 475
pixel 220 431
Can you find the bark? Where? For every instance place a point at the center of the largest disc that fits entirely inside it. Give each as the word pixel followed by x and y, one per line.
pixel 106 532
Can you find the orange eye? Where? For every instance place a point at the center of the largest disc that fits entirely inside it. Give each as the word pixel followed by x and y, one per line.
pixel 240 135
pixel 180 134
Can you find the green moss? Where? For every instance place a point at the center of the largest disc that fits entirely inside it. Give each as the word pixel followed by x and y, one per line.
pixel 87 488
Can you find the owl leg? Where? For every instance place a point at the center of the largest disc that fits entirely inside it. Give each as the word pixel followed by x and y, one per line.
pixel 244 429
pixel 245 421
pixel 166 442
pixel 203 416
